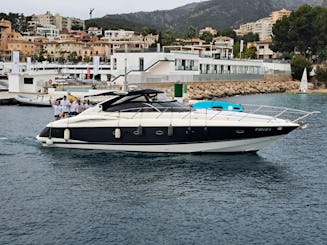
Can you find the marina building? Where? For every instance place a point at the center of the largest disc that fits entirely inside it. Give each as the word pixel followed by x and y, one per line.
pixel 187 66
pixel 139 68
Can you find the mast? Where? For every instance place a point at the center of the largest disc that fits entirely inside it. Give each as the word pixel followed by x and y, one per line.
pixel 125 77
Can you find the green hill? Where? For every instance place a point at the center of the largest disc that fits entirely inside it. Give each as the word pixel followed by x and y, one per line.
pixel 219 14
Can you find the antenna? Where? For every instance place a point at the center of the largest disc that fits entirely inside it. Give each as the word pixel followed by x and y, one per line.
pixel 91 11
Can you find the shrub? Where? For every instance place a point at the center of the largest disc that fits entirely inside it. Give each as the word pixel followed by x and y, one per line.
pixel 298 63
pixel 321 74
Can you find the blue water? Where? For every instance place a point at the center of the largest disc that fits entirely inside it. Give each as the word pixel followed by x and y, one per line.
pixel 58 196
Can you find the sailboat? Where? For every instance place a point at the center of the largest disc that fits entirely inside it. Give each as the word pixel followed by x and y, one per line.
pixel 304 82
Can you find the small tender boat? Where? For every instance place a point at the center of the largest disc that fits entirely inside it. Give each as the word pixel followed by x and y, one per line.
pixel 39 100
pixel 218 105
pixel 147 121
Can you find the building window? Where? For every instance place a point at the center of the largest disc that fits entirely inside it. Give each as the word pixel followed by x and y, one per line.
pixel 28 80
pixel 191 64
pixel 141 64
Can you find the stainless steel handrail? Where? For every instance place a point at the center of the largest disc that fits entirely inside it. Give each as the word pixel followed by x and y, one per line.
pixel 273 112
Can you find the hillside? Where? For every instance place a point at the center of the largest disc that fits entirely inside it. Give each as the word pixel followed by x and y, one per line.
pixel 218 14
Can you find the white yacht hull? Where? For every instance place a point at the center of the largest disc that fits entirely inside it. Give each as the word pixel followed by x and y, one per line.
pixel 245 145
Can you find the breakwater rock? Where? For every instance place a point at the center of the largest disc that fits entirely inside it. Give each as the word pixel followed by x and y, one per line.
pixel 210 90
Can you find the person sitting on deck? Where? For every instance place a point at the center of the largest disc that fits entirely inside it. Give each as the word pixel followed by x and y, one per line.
pixel 79 107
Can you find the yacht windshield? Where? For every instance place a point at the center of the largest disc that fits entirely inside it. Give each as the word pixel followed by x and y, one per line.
pixel 144 102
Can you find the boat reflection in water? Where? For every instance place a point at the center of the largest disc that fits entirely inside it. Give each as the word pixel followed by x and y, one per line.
pixel 147 121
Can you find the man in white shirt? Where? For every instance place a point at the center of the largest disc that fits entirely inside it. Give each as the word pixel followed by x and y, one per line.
pixel 65 106
pixel 57 110
pixel 73 108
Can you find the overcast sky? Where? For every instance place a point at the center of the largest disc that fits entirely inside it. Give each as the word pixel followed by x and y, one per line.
pixel 81 8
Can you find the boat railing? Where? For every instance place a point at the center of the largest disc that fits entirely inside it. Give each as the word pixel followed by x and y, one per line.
pixel 262 112
pixel 293 115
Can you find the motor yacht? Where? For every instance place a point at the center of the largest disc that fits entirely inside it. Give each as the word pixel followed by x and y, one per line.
pixel 147 121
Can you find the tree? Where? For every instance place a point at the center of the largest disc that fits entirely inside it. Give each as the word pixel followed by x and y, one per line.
pixel 207 36
pixel 166 38
pixel 18 21
pixel 250 53
pixel 321 55
pixel 77 27
pixel 281 40
pixel 41 57
pixel 145 31
pixel 228 33
pixel 191 32
pixel 72 57
pixel 61 58
pixel 321 74
pixel 87 59
pixel 304 31
pixel 236 49
pixel 298 63
pixel 250 37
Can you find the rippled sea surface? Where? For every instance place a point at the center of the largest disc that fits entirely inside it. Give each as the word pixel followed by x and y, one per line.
pixel 59 196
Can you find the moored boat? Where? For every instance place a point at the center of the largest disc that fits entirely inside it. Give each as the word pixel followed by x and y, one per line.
pixel 304 82
pixel 39 100
pixel 147 121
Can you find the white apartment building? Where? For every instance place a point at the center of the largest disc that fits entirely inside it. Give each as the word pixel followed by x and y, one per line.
pixel 57 20
pixel 277 15
pixel 94 31
pixel 50 31
pixel 246 28
pixel 263 27
pixel 111 35
pixel 208 29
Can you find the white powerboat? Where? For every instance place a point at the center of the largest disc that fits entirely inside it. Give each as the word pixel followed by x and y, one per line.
pixel 147 121
pixel 39 100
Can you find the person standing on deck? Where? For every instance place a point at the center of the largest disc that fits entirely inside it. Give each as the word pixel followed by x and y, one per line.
pixel 73 108
pixel 57 110
pixel 79 107
pixel 86 104
pixel 65 104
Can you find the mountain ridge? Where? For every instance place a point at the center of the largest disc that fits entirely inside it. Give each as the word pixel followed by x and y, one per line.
pixel 219 14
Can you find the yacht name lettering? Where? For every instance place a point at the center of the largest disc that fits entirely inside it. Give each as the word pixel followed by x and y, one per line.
pixel 262 129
